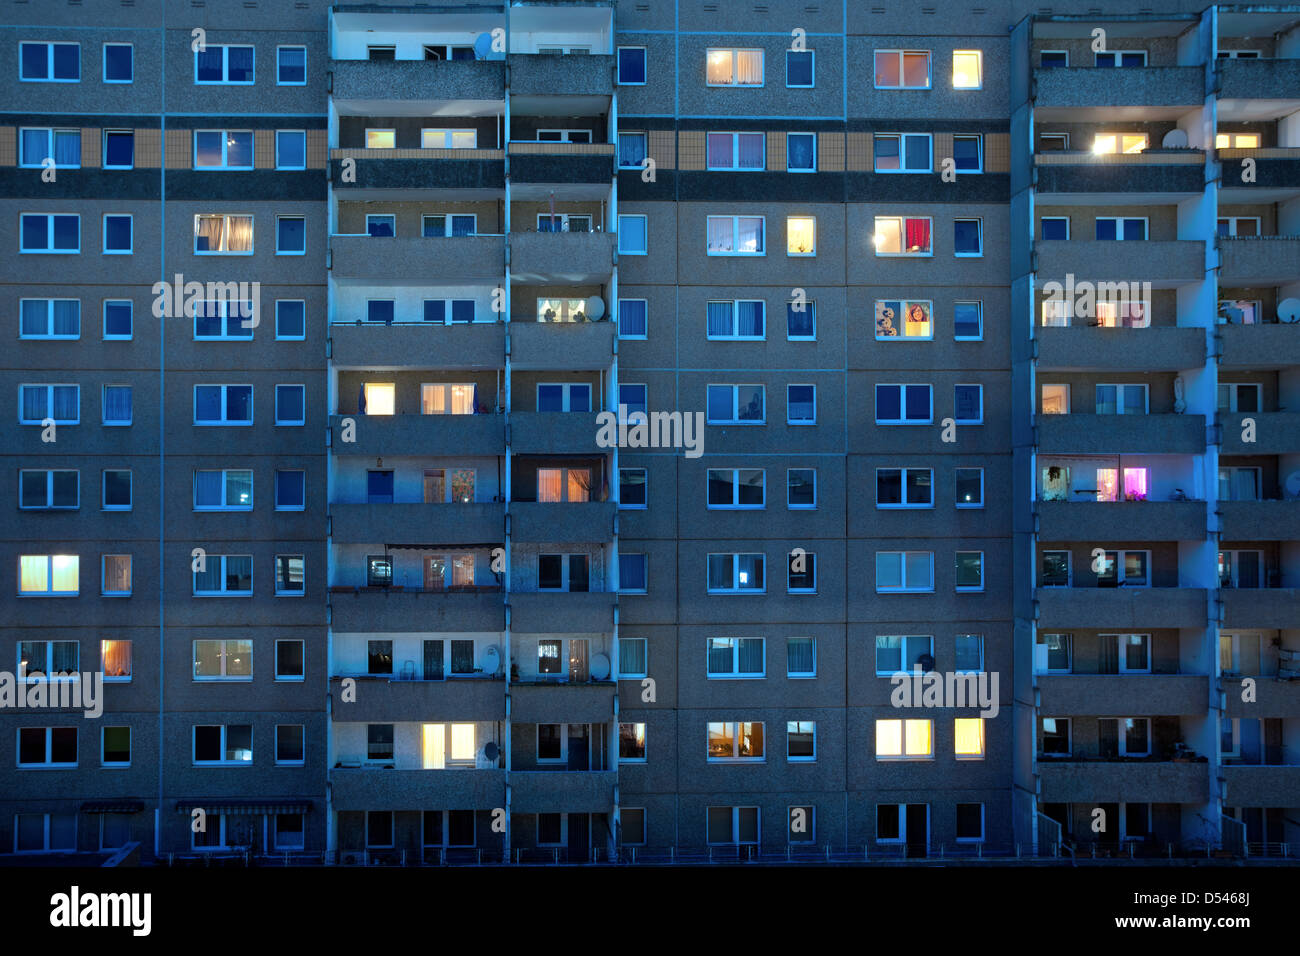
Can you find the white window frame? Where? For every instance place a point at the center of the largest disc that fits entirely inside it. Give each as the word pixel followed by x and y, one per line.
pixel 734 81
pixel 905 505
pixel 1043 219
pixel 618 64
pixel 735 673
pixel 104 320
pixel 788 167
pixel 812 62
pixel 226 505
pixel 49 61
pixel 645 655
pixel 225 233
pixel 645 148
pixel 979 311
pixel 902 404
pixel 929 69
pixel 1064 53
pixel 225 652
pixel 905 587
pixel 380 129
pixel 797 422
pixel 114 423
pixel 28 676
pixel 49 761
pixel 49 334
pixel 735 733
pixel 979 154
pixel 902 731
pixel 1120 406
pixel 800 675
pixel 645 572
pixel 567 393
pixel 811 558
pixel 979 58
pixel 223 313
pixel 290 46
pixel 1067 638
pixel 645 305
pixel 51 134
pixel 1117 56
pixel 1063 137
pixel 291 421
pixel 968 421
pixel 735 587
pixel 902 232
pixel 103 145
pixel 623 250
pixel 797 254
pixel 980 503
pixel 968 588
pixel 798 728
pixel 225 745
pixel 104 234
pixel 902 139
pixel 905 306
pixel 223 422
pixel 734 335
pixel 225 66
pixel 979 642
pixel 49 474
pixel 1069 568
pixel 1122 658
pixel 104 488
pixel 907 652
pixel 291 338
pixel 735 151
pixel 788 505
pixel 1120 555
pixel 735 403
pixel 225 135
pixel 979 233
pixel 810 307
pixel 279 164
pixel 48 249
pixel 1233 222
pixel 223 591
pixel 290 252
pixel 735 489
pixel 1119 230
pixel 1121 744
pixel 735 234
pixel 624 506
pixel 49 404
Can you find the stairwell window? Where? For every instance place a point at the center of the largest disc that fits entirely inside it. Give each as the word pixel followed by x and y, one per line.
pixel 36 145
pixel 223 149
pixel 733 67
pixel 902 69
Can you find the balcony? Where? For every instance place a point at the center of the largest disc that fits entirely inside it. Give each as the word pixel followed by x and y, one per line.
pixel 555 522
pixel 1277 172
pixel 1123 695
pixel 1137 781
pixel 1167 174
pixel 554 433
pixel 1080 434
pixel 458 260
pixel 534 74
pixel 1162 263
pixel 1260 347
pixel 1276 433
pixel 559 791
pixel 1262 79
pixel 1260 607
pixel 1260 520
pixel 557 703
pixel 377 788
pixel 1261 786
pixel 572 345
pixel 362 609
pixel 1259 261
pixel 412 345
pixel 1081 87
pixel 559 612
pixel 467 171
pixel 1273 697
pixel 562 258
pixel 432 435
pixel 383 700
pixel 1083 348
pixel 1121 609
pixel 455 525
pixel 571 164
pixel 382 88
pixel 1121 520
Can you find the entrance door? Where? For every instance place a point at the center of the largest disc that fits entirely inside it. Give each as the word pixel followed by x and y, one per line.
pixel 918 829
pixel 579 835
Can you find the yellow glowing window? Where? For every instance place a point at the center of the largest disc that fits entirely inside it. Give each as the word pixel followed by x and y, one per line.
pixel 442 743
pixel 560 484
pixel 1236 140
pixel 435 746
pixel 1110 143
pixel 801 236
pixel 437 399
pixel 969 736
pixel 903 738
pixel 49 573
pixel 381 139
pixel 381 398
pixel 462 742
pixel 967 69
pixel 734 67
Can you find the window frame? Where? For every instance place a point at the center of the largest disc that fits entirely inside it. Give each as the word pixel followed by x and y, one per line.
pixel 735 166
pixel 223 422
pixel 734 335
pixel 902 403
pixel 902 229
pixel 904 505
pixel 968 421
pixel 795 169
pixel 968 588
pixel 225 66
pixel 290 132
pixel 812 70
pixel 224 165
pixel 902 139
pixel 964 505
pixel 735 484
pixel 979 236
pixel 49 403
pixel 622 251
pixel 49 763
pixel 735 236
pixel 49 61
pixel 49 249
pixel 734 81
pixel 51 146
pixel 798 422
pixel 735 403
pixel 902 72
pixel 224 591
pixel 49 335
pixel 979 63
pixel 903 738
pixel 904 587
pixel 735 587
pixel 979 313
pixel 279 67
pixel 103 484
pixel 645 318
pixel 103 145
pixel 279 337
pixel 49 474
pixel 225 233
pixel 794 507
pixel 107 337
pixel 733 727
pixel 225 748
pixel 290 422
pixel 618 64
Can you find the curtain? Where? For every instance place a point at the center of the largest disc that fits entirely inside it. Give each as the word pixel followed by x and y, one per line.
pixel 239 63
pixel 750 150
pixel 117 573
pixel 207 488
pixel 719 318
pixel 65 402
pixel 435 579
pixel 749 234
pixel 67 148
pixel 209 577
pixel 208 232
pixel 718 151
pixel 749 67
pixel 970 735
pixel 632 654
pixel 799 655
pixel 579 484
pixel 462 657
pixel 721 235
pixel 117 403
pixel 751 656
pixel 749 316
pixel 720 655
pixel 1244 485
pixel 116 658
pixel 918 235
pixel 549 484
pixel 462 570
pixel 240 238
pixel 35 147
pixel 799 152
pixel 578 660
pixel 1107 484
pixel 64 659
pixel 1108 654
pixel 462 225
pixel 631 150
pixel 67 316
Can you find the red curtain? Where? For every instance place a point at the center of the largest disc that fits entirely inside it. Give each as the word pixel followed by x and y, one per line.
pixel 918 235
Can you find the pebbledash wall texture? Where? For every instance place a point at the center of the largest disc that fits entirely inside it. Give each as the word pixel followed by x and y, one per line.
pixel 645 431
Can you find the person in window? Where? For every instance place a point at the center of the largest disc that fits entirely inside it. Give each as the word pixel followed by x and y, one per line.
pixel 916 316
pixel 885 321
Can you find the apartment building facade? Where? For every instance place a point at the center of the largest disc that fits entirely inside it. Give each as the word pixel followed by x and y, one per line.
pixel 393 589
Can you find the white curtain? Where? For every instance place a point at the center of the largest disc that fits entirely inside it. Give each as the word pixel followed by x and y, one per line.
pixel 749 67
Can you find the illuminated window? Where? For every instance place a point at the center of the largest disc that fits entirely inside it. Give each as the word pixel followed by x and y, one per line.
pixel 1236 140
pixel 1110 143
pixel 440 399
pixel 902 69
pixel 448 745
pixel 381 139
pixel 49 574
pixel 379 398
pixel 734 68
pixel 1055 400
pixel 969 732
pixel 901 739
pixel 735 740
pixel 800 236
pixel 967 69
pixel 901 236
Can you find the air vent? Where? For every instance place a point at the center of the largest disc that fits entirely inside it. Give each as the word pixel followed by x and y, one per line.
pixel 812 9
pixel 760 8
pixel 877 9
pixel 197 3
pixel 928 11
pixel 1094 11
pixel 710 8
pixel 250 4
pixel 979 11
pixel 302 5
pixel 643 8
pixel 128 3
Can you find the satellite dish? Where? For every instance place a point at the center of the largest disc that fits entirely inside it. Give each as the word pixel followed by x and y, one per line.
pixel 491 661
pixel 1175 139
pixel 491 751
pixel 483 46
pixel 1292 485
pixel 595 308
pixel 600 667
pixel 1288 310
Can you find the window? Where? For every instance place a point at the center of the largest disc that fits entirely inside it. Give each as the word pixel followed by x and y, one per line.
pixel 223 149
pixel 553 484
pixel 1239 484
pixel 902 236
pixel 632 488
pixel 564 397
pixel 1121 399
pixel 904 319
pixel 799 69
pixel 47 746
pixel 563 572
pixel 632 235
pixel 379 823
pixel 736 488
pixel 970 570
pixel 291 66
pixel 903 152
pixel 218 64
pixel 801 236
pixel 732 826
pixel 735 151
pixel 1121 58
pixel 631 66
pixel 632 826
pixel 49 832
pixel 968 404
pixel 970 487
pixel 455 225
pixel 379 657
pixel 1105 144
pixel 736 235
pixel 290 319
pixel 801 152
pixel 904 739
pixel 290 149
pixel 801 321
pixel 115 744
pixel 1119 227
pixel 116 575
pixel 119 149
pixel 117 319
pixel 223 404
pixel 1241 569
pixel 378 398
pixel 1054 570
pixel 1129 568
pixel 290 236
pixel 1239 397
pixel 381 139
pixel 1124 737
pixel 223 660
pixel 734 67
pixel 49 233
pixel 968 653
pixel 450 311
pixel 801 488
pixel 1236 140
pixel 45 490
pixel 632 576
pixel 117 405
pixel 904 488
pixel 895 653
pixel 632 150
pixel 1125 653
pixel 632 315
pixel 631 743
pixel 968 237
pixel 49 318
pixel 290 490
pixel 632 657
pixel 967 69
pixel 801 741
pixel 117 490
pixel 1055 658
pixel 38 145
pixel 290 404
pixel 735 740
pixel 736 404
pixel 738 573
pixel 970 823
pixel 800 657
pixel 58 403
pixel 1056 737
pixel 1053 142
pixel 968 734
pixel 903 823
pixel 902 69
pixel 968 321
pixel 289 746
pixel 802 577
pixel 223 319
pixel 1053 59
pixel 563 136
pixel 49 62
pixel 735 319
pixel 289 657
pixel 290 577
pixel 900 571
pixel 1132 488
pixel 1239 227
pixel 1054 228
pixel 222 575
pixel 223 235
pixel 968 153
pixel 903 405
pixel 223 744
pixel 46 660
pixel 1054 400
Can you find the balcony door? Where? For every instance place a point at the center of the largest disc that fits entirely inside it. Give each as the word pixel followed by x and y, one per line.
pixel 579 747
pixel 578 670
pixel 579 838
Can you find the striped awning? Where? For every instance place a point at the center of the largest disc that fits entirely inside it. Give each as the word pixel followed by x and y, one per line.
pixel 112 806
pixel 246 807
